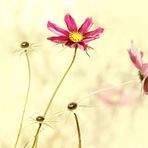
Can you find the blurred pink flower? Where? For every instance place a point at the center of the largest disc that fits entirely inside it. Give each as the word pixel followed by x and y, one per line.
pixel 136 58
pixel 118 96
pixel 74 37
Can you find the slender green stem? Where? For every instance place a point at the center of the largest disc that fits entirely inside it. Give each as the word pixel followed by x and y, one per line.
pixel 78 130
pixel 55 92
pixel 34 145
pixel 26 101
pixel 60 82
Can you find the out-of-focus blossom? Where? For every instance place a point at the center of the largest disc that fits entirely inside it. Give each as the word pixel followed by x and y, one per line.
pixel 136 58
pixel 118 96
pixel 74 37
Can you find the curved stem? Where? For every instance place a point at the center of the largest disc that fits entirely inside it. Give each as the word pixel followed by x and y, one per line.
pixel 55 92
pixel 26 100
pixel 78 130
pixel 60 82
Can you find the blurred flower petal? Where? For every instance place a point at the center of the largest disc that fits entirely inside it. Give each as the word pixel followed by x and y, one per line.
pixel 144 69
pixel 136 57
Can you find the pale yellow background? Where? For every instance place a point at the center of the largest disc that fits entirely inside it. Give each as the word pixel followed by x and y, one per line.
pixel 26 20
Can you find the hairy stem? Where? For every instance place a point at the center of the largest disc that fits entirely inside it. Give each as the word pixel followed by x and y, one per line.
pixel 55 92
pixel 78 130
pixel 26 101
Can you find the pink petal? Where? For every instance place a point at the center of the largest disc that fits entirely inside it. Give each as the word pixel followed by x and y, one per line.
pixel 86 40
pixel 70 22
pixel 145 86
pixel 56 29
pixel 82 46
pixel 136 57
pixel 144 69
pixel 118 96
pixel 110 97
pixel 58 39
pixel 86 25
pixel 129 97
pixel 95 33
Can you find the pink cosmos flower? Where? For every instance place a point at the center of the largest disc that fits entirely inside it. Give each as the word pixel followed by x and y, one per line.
pixel 136 58
pixel 74 37
pixel 118 96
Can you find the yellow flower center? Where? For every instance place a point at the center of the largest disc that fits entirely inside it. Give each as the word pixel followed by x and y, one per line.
pixel 115 99
pixel 76 37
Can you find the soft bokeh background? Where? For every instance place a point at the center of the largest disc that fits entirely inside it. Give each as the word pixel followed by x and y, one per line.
pixel 104 124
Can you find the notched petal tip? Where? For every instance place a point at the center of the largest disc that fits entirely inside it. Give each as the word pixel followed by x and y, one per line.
pixel 95 33
pixel 92 35
pixel 70 22
pixel 101 29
